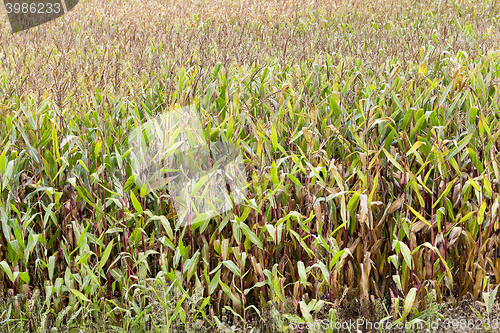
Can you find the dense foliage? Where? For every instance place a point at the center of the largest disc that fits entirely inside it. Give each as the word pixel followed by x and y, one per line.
pixel 371 144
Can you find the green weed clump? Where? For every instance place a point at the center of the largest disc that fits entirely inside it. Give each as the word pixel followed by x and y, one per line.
pixel 373 169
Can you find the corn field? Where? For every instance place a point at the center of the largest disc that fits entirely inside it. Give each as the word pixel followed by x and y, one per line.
pixel 370 138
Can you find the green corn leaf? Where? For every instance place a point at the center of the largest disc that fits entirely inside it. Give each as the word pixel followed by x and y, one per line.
pixel 105 255
pixel 232 267
pixel 135 202
pixel 461 145
pixel 3 162
pixel 6 268
pixel 251 236
pixel 214 283
pixel 302 272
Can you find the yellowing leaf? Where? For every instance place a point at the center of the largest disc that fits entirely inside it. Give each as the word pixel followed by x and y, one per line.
pixel 393 161
pixel 409 301
pixel 80 296
pixel 274 137
pixel 487 186
pixel 417 214
pixel 474 184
